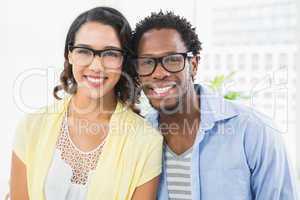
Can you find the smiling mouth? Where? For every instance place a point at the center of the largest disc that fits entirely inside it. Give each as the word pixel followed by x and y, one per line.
pixel 95 81
pixel 162 91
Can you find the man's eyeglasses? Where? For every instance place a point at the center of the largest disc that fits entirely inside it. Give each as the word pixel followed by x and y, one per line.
pixel 173 63
pixel 84 56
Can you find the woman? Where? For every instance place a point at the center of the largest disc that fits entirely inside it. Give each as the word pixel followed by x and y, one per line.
pixel 89 145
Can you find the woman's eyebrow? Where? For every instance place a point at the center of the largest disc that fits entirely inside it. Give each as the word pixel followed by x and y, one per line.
pixel 90 47
pixel 83 45
pixel 112 47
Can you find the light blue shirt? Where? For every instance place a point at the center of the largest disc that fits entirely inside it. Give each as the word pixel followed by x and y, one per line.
pixel 237 155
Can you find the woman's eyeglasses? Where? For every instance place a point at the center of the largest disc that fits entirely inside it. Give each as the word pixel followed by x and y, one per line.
pixel 84 56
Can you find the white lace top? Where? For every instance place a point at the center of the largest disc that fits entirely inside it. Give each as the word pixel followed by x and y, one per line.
pixel 68 176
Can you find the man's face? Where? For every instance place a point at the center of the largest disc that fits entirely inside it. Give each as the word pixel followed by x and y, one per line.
pixel 165 89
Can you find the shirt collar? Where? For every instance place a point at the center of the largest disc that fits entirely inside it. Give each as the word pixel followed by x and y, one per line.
pixel 214 108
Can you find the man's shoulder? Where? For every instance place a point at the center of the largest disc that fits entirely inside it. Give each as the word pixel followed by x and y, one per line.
pixel 152 118
pixel 251 116
pixel 252 125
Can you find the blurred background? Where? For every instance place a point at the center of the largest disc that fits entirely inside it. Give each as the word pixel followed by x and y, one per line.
pixel 250 54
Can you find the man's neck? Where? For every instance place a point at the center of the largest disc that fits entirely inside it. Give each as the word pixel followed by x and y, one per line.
pixel 180 128
pixel 189 110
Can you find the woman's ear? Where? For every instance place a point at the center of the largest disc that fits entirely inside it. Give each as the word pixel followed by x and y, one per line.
pixel 70 58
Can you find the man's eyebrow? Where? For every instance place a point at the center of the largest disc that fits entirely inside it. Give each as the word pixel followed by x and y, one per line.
pixel 158 55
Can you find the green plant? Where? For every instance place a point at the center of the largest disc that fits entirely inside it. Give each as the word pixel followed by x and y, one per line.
pixel 218 82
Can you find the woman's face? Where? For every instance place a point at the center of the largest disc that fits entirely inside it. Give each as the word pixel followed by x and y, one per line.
pixel 96 75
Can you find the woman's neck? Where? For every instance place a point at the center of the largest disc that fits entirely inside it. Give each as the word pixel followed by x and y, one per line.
pixel 100 109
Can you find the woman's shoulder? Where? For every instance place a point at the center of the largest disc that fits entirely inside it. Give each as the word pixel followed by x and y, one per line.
pixel 33 126
pixel 136 137
pixel 133 125
pixel 41 115
pixel 134 119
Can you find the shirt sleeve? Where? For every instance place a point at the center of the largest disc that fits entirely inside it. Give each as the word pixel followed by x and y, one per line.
pixel 271 173
pixel 153 163
pixel 19 142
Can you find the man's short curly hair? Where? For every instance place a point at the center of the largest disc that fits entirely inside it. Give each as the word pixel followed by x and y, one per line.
pixel 168 20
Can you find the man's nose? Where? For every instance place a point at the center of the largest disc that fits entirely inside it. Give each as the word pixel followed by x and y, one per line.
pixel 160 72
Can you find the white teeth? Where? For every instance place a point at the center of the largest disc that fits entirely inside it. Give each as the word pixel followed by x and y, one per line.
pixel 94 80
pixel 162 90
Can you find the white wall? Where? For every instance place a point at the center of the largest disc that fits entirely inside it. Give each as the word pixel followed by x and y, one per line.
pixel 298 93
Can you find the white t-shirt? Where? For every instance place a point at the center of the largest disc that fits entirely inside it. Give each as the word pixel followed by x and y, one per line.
pixel 71 169
pixel 178 169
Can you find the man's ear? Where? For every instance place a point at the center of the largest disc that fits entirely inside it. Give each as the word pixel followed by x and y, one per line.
pixel 194 66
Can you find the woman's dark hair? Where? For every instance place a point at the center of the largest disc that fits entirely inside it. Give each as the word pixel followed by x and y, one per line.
pixel 114 18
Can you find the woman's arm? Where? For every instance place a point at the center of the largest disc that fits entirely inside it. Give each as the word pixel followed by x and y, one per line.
pixel 147 191
pixel 18 179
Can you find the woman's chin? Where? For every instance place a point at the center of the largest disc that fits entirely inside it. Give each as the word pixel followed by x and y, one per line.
pixel 95 94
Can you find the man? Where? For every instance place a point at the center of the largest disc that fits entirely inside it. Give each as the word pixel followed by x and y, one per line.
pixel 214 149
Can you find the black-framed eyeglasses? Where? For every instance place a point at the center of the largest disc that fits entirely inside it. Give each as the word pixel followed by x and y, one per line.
pixel 172 63
pixel 84 56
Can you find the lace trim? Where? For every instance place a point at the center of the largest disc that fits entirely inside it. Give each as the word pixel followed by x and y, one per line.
pixel 80 162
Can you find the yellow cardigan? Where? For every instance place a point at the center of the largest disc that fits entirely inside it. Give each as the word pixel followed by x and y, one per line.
pixel 131 156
